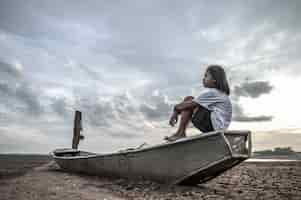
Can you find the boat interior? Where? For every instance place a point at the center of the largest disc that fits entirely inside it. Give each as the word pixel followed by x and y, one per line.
pixel 239 143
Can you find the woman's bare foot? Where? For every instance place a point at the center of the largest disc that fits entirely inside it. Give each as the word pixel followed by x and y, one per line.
pixel 174 137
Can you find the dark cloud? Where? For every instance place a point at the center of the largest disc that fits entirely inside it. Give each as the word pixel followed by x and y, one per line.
pixel 253 89
pixel 5 89
pixel 157 108
pixel 121 109
pixel 151 113
pixel 27 95
pixel 240 116
pixel 261 118
pixel 16 92
pixel 105 113
pixel 139 46
pixel 9 69
pixel 22 95
pixel 124 107
pixel 285 15
pixel 95 113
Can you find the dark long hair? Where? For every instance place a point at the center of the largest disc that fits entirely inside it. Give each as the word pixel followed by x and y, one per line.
pixel 219 75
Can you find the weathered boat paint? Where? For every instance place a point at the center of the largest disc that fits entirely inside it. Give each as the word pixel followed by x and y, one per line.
pixel 191 160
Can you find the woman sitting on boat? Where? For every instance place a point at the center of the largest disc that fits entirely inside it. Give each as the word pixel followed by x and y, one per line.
pixel 210 111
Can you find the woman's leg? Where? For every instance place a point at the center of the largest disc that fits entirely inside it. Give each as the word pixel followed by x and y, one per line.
pixel 184 121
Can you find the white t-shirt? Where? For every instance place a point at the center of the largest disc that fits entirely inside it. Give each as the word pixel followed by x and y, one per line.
pixel 219 104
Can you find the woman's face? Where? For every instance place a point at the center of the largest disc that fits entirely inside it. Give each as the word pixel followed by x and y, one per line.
pixel 208 80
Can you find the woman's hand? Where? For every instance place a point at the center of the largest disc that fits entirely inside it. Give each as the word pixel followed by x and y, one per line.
pixel 173 119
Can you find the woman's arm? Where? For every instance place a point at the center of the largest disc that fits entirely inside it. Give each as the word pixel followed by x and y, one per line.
pixel 186 105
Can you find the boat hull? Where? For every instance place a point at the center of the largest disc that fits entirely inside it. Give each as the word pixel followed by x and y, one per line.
pixel 187 161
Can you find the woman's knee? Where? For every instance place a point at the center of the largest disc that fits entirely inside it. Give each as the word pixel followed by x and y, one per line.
pixel 188 98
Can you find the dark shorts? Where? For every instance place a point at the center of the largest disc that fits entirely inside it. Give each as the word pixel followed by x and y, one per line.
pixel 201 120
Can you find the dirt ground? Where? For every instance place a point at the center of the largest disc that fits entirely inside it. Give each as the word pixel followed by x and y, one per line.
pixel 249 180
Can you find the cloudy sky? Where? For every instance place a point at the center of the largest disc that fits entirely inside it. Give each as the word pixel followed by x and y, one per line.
pixel 124 64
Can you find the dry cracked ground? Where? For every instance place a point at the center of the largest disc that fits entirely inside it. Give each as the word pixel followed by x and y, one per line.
pixel 41 178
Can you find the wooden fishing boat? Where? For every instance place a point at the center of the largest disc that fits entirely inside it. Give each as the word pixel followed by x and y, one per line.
pixel 189 161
